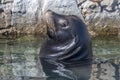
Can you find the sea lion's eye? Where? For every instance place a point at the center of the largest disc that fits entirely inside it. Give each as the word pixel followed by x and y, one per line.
pixel 63 23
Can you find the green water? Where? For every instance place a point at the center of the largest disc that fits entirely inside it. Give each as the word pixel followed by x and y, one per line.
pixel 18 61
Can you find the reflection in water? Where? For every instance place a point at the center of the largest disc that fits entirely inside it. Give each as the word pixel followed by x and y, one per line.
pixel 60 71
pixel 18 61
pixel 106 70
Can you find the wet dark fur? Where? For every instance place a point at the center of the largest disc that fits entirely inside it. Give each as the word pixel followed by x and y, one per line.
pixel 67 40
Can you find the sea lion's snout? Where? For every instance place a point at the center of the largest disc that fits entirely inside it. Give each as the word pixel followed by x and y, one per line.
pixel 49 19
pixel 48 14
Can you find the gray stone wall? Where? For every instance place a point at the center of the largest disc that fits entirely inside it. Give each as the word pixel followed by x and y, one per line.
pixel 102 16
pixel 25 16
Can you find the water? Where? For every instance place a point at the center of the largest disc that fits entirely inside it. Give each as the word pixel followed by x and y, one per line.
pixel 19 61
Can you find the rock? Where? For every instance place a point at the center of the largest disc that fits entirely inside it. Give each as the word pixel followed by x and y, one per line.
pixel 24 11
pixel 26 15
pixel 6 1
pixel 30 12
pixel 102 17
pixel 66 7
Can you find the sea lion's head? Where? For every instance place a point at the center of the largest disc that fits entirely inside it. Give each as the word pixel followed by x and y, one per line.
pixel 60 27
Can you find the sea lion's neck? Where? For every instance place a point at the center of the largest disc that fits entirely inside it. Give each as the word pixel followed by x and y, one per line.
pixel 62 49
pixel 66 45
pixel 60 41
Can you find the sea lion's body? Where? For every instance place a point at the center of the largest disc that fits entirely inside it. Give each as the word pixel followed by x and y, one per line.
pixel 67 40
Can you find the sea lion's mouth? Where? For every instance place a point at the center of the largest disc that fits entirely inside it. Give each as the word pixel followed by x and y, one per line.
pixel 49 20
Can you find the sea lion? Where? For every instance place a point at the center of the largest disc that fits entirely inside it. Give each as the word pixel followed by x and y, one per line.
pixel 67 38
